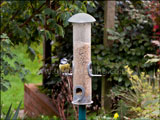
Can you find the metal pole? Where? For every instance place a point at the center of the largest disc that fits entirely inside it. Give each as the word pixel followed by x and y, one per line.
pixel 82 112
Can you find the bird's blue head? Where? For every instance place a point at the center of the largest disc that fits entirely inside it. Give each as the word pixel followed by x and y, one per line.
pixel 63 61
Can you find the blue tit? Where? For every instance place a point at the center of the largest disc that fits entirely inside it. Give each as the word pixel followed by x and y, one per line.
pixel 64 66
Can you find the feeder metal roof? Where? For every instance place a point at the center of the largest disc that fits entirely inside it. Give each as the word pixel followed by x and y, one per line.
pixel 81 18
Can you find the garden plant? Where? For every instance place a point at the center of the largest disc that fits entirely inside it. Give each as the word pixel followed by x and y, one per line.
pixel 36 35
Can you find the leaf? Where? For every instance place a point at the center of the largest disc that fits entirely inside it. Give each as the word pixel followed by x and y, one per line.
pixel 99 58
pixel 31 53
pixel 120 79
pixel 48 11
pixel 127 83
pixel 147 103
pixel 104 53
pixel 9 55
pixel 51 22
pixel 21 75
pixel 153 60
pixel 42 18
pixel 6 72
pixel 4 85
pixel 129 28
pixel 156 112
pixel 150 55
pixel 8 113
pixel 101 47
pixel 3 3
pixel 4 36
pixel 17 111
pixel 60 30
pixel 84 8
pixel 110 31
pixel 48 35
pixel 121 40
pixel 113 37
pixel 53 14
pixel 96 51
pixel 65 16
pixel 155 101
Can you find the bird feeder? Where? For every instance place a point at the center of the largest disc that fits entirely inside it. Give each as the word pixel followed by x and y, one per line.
pixel 82 85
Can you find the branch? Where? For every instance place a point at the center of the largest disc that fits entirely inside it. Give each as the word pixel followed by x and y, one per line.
pixel 48 3
pixel 29 19
pixel 9 20
pixel 14 15
pixel 32 5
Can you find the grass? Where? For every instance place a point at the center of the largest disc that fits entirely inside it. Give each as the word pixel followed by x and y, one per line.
pixel 15 94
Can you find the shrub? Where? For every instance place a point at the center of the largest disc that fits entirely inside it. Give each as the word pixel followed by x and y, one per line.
pixel 6 67
pixel 154 8
pixel 142 100
pixel 62 98
pixel 132 35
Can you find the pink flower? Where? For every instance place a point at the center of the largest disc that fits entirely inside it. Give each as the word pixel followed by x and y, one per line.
pixel 155 27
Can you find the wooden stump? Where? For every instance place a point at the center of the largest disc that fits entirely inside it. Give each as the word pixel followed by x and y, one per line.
pixel 37 103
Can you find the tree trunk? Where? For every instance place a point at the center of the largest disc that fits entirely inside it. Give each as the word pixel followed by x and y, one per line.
pixel 47 60
pixel 46 54
pixel 109 14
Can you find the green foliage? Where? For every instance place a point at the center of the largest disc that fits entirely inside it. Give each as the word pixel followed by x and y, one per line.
pixel 102 116
pixel 31 21
pixel 142 99
pixel 16 92
pixel 10 115
pixel 67 10
pixel 46 91
pixel 131 41
pixel 14 14
pixel 95 116
pixel 6 67
pixel 153 8
pixel 63 36
pixel 19 22
pixel 152 58
pixel 149 106
pixel 49 118
pixel 122 108
pixel 43 117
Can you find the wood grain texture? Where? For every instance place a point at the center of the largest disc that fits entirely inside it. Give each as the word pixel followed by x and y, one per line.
pixel 36 103
pixel 109 20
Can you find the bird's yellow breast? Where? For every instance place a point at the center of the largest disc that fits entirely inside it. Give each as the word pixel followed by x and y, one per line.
pixel 64 67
